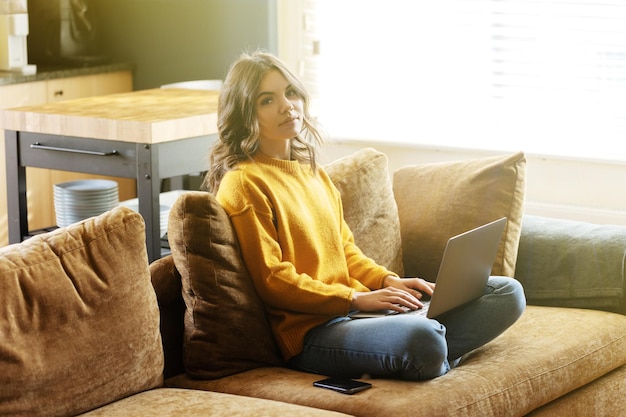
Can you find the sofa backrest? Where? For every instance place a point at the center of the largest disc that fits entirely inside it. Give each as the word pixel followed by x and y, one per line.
pixel 79 322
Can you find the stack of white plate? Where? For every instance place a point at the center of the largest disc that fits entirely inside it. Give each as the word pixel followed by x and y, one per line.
pixel 78 200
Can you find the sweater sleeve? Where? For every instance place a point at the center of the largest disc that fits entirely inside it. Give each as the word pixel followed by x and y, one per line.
pixel 278 282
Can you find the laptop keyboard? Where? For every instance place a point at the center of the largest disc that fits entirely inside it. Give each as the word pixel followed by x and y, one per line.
pixel 420 312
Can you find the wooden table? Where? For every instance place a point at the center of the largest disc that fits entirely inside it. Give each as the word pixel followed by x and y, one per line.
pixel 147 135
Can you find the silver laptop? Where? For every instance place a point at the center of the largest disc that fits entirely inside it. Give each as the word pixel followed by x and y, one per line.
pixel 463 273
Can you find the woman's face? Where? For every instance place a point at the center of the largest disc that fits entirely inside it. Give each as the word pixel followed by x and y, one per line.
pixel 279 109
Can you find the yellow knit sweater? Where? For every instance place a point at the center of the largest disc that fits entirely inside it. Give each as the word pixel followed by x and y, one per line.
pixel 298 249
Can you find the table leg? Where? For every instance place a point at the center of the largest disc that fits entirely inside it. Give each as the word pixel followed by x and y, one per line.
pixel 17 211
pixel 148 189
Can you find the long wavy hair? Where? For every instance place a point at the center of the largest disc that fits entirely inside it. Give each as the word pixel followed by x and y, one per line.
pixel 237 124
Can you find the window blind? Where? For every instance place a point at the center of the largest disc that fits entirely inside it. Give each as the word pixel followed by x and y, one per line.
pixel 562 65
pixel 536 75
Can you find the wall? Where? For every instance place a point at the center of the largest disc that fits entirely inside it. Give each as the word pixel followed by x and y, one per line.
pixel 178 40
pixel 570 188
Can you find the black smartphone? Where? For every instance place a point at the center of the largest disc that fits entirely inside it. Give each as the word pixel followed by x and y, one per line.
pixel 343 385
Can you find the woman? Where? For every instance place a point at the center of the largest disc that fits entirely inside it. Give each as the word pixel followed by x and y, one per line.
pixel 301 254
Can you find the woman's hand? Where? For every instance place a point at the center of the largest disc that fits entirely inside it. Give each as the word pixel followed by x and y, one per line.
pixel 388 298
pixel 398 295
pixel 415 286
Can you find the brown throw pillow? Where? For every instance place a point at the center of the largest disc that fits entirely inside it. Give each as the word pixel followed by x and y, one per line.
pixel 438 201
pixel 226 328
pixel 369 207
pixel 79 322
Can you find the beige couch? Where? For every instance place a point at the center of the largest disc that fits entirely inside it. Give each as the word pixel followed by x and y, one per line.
pixel 81 330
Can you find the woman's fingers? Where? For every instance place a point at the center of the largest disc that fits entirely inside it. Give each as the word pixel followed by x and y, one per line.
pixel 398 298
pixel 388 298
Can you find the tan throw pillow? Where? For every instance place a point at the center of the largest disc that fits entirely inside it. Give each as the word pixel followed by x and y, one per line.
pixel 226 328
pixel 79 322
pixel 369 206
pixel 438 201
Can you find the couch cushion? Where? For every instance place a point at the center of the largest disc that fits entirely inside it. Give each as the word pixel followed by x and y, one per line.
pixel 369 207
pixel 184 402
pixel 572 263
pixel 546 354
pixel 438 201
pixel 226 329
pixel 602 397
pixel 79 322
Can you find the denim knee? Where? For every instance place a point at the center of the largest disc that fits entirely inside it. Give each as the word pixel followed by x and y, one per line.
pixel 424 351
pixel 511 295
pixel 519 296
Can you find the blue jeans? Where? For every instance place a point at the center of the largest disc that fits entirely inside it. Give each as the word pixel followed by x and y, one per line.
pixel 408 346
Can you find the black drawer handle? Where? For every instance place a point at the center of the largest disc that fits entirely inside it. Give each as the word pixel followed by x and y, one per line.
pixel 38 145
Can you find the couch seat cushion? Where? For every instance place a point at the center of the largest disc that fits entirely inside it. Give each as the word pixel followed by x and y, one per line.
pixel 79 322
pixel 548 353
pixel 181 402
pixel 602 397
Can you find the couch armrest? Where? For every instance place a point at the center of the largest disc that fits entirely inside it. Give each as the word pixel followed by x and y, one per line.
pixel 167 286
pixel 572 264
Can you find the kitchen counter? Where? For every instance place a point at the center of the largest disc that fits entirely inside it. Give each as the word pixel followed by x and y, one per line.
pixel 146 116
pixel 54 72
pixel 146 135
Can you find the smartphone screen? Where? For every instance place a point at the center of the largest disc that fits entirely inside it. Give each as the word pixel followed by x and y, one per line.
pixel 343 385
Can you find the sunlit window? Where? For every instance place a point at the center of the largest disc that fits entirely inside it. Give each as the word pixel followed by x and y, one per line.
pixel 539 76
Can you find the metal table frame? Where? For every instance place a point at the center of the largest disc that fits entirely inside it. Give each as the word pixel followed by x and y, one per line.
pixel 147 163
